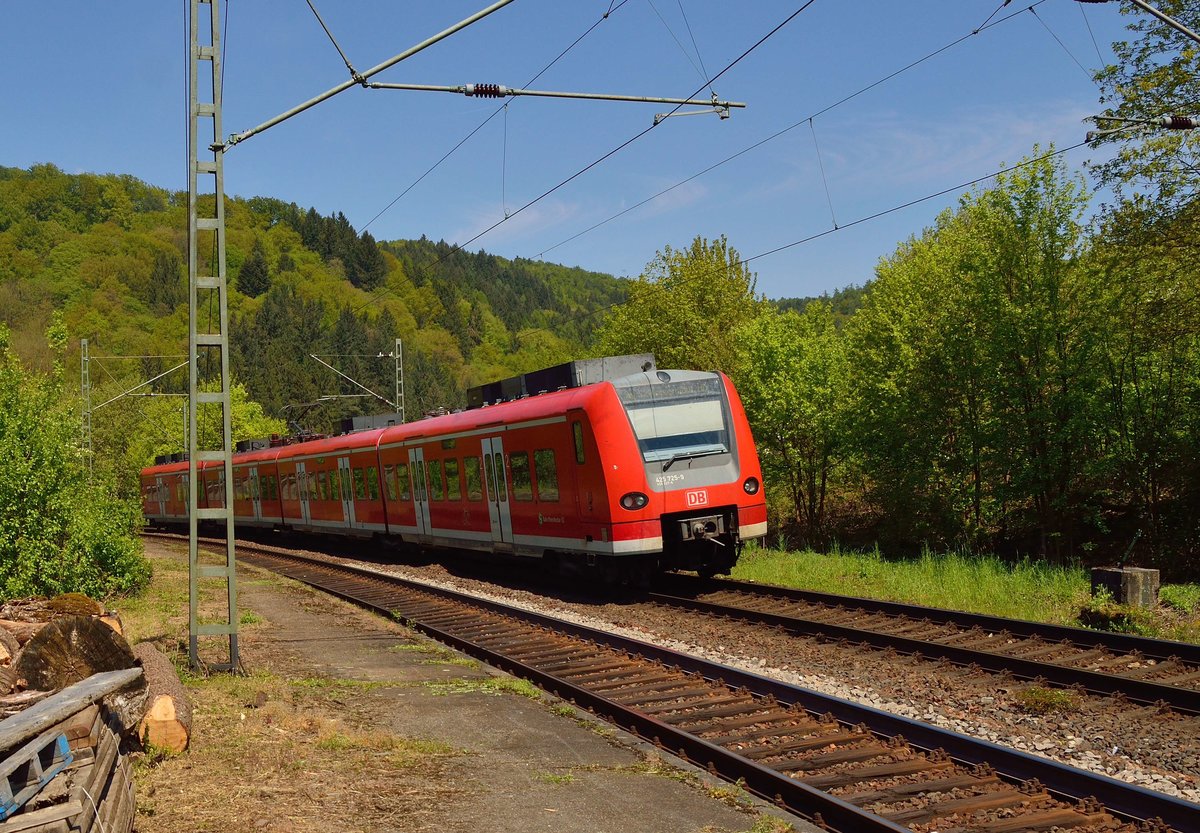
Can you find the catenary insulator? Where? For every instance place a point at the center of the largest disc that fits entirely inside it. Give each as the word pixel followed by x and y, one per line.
pixel 487 90
pixel 1179 122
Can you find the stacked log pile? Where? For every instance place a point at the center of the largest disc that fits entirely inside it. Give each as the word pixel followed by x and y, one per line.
pixel 74 700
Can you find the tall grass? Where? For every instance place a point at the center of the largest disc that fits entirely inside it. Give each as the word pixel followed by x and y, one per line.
pixel 980 584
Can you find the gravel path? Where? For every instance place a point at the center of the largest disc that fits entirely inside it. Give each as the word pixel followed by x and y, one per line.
pixel 1152 747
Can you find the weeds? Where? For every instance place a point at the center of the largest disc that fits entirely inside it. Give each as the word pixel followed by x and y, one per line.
pixel 494 686
pixel 1038 700
pixel 554 778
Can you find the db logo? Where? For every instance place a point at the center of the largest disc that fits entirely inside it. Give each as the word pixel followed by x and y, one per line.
pixel 697 498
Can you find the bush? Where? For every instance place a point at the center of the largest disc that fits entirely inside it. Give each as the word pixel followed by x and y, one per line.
pixel 59 531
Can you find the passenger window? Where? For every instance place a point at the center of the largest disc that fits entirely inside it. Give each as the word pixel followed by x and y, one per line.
pixel 402 481
pixel 522 482
pixel 547 475
pixel 372 483
pixel 577 431
pixel 436 492
pixel 453 484
pixel 474 485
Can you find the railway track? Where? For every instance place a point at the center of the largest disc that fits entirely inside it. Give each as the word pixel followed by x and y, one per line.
pixel 1143 670
pixel 846 766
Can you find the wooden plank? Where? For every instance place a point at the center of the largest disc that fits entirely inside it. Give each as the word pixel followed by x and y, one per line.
pixel 46 815
pixel 58 707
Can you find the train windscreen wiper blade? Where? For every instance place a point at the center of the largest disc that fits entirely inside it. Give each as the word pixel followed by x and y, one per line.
pixel 689 455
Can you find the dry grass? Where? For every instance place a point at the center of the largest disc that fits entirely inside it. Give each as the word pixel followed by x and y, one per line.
pixel 273 753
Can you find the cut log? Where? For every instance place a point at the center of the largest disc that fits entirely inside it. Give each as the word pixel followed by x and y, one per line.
pixel 23 631
pixel 113 621
pixel 70 649
pixel 9 646
pixel 168 721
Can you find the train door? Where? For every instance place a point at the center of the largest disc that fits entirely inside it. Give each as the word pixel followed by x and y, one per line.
pixel 347 495
pixel 255 493
pixel 302 493
pixel 497 490
pixel 416 465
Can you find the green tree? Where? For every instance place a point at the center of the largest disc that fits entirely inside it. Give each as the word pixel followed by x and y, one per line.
pixel 793 388
pixel 166 289
pixel 254 278
pixel 59 532
pixel 686 308
pixel 974 366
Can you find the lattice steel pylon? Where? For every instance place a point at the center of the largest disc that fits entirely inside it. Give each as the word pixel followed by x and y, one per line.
pixel 208 341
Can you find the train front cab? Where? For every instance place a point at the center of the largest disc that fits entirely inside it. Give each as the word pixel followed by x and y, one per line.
pixel 694 457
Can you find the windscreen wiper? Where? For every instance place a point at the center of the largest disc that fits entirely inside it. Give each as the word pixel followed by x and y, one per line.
pixel 685 455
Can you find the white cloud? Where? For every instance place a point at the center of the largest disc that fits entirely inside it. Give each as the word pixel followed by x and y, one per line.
pixel 538 218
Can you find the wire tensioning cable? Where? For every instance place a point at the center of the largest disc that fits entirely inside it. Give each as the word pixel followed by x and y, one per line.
pixel 612 8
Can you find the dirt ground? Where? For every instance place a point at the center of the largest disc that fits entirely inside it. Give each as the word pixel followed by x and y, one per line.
pixel 345 721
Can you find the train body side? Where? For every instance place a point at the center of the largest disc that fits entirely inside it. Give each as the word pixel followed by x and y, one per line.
pixel 658 470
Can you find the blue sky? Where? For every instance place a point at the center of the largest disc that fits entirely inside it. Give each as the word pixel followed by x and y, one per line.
pixel 100 87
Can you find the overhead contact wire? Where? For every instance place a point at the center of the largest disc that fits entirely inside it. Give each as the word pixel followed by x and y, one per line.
pixel 988 24
pixel 859 221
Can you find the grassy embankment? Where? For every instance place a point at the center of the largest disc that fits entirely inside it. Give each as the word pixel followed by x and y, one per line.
pixel 981 584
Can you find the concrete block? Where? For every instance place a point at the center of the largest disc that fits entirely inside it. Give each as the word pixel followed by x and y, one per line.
pixel 1133 586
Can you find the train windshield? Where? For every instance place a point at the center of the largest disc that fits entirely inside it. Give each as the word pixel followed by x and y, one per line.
pixel 681 418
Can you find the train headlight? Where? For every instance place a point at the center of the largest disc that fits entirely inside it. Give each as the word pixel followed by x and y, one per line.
pixel 634 500
pixel 751 485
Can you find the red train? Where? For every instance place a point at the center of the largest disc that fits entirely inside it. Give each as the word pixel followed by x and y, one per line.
pixel 626 476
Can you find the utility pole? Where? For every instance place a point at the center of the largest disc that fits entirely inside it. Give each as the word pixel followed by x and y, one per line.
pixel 399 356
pixel 85 387
pixel 208 342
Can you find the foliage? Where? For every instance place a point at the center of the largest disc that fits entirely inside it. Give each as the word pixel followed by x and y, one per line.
pixel 59 532
pixel 254 278
pixel 108 251
pixel 971 362
pixel 792 386
pixel 1154 76
pixel 686 308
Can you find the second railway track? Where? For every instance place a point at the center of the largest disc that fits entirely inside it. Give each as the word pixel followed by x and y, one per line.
pixel 851 767
pixel 1143 670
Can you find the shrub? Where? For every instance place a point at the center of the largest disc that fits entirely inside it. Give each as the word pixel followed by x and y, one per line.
pixel 59 531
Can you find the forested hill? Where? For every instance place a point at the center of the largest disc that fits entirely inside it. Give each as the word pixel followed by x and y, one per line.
pixel 109 252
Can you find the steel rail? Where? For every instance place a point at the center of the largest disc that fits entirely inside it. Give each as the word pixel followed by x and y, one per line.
pixel 1095 682
pixel 1158 649
pixel 1121 798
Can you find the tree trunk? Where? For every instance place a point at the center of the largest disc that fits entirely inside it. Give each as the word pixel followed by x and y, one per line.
pixel 168 720
pixel 70 649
